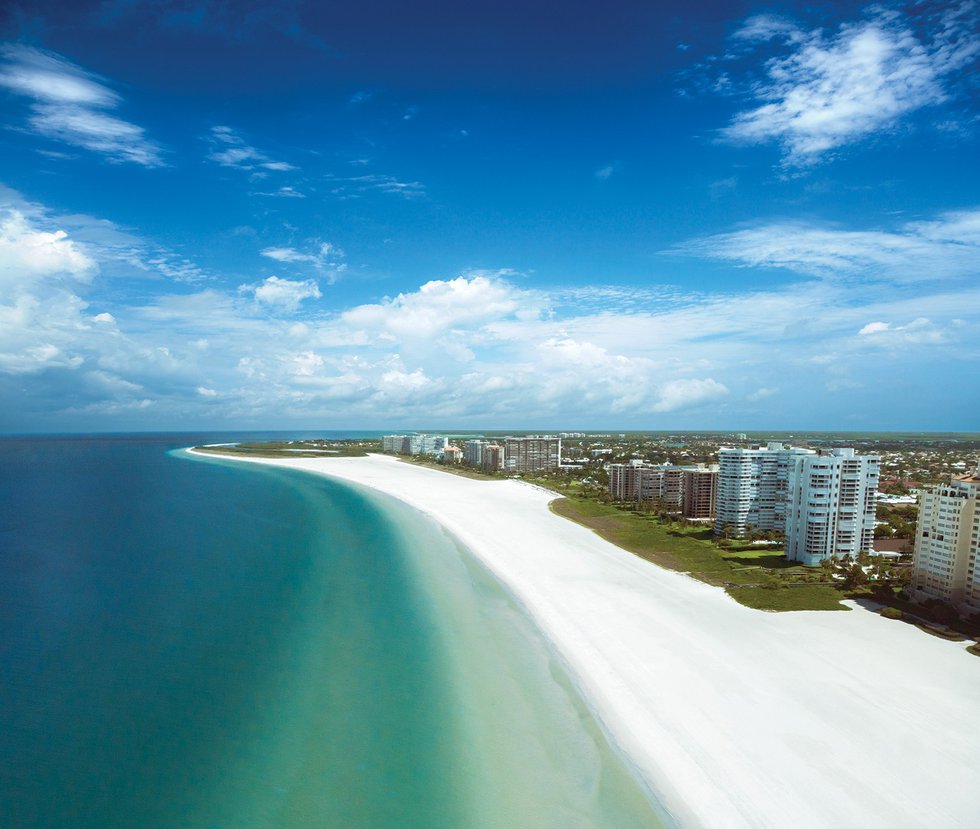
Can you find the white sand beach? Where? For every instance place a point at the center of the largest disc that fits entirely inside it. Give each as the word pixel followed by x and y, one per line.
pixel 733 717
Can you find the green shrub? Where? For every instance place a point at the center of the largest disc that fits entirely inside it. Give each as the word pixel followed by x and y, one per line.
pixel 891 613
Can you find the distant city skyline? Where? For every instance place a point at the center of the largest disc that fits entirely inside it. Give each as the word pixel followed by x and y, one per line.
pixel 734 216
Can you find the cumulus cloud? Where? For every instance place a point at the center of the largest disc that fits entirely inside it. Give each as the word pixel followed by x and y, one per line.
pixel 827 89
pixel 441 305
pixel 229 149
pixel 480 348
pixel 687 393
pixel 41 316
pixel 71 105
pixel 948 247
pixel 27 254
pixel 283 294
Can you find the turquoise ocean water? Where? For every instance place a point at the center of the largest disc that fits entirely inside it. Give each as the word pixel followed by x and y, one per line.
pixel 198 643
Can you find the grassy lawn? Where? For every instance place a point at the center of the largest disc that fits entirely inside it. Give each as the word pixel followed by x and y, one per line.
pixel 742 568
pixel 805 597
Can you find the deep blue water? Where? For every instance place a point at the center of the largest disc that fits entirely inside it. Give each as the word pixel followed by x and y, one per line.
pixel 208 644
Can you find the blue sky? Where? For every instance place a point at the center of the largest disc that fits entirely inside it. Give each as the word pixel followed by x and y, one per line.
pixel 438 214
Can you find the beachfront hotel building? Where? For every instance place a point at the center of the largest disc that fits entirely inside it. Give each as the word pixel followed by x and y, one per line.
pixel 830 505
pixel 947 544
pixel 689 490
pixel 414 444
pixel 532 454
pixel 752 486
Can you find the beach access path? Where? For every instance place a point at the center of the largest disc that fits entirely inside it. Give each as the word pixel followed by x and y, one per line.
pixel 733 717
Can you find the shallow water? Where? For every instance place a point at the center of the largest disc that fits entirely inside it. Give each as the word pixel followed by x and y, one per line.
pixel 201 643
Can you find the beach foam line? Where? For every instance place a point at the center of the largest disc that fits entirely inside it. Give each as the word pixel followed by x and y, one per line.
pixel 733 717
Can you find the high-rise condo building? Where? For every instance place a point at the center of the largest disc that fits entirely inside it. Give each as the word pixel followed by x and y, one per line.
pixel 413 444
pixel 752 487
pixel 700 490
pixel 493 457
pixel 532 454
pixel 947 543
pixel 830 505
pixel 473 452
pixel 688 489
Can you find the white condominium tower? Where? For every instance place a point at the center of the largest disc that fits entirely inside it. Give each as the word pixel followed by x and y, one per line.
pixel 830 507
pixel 752 488
pixel 947 543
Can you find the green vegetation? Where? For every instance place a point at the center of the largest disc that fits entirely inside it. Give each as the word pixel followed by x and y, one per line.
pixel 297 449
pixel 462 470
pixel 900 520
pixel 756 577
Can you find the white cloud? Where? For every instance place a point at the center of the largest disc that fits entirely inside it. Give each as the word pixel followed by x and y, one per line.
pixel 229 149
pixel 283 294
pixel 603 173
pixel 919 332
pixel 28 254
pixel 41 317
pixel 283 193
pixel 479 349
pixel 830 89
pixel 324 257
pixel 688 393
pixel 948 247
pixel 70 105
pixel 441 305
pixel 379 182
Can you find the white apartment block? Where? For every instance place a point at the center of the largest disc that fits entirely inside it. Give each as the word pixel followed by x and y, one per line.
pixel 830 505
pixel 532 454
pixel 414 444
pixel 946 543
pixel 752 487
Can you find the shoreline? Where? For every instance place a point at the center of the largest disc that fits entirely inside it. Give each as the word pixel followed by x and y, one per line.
pixel 729 716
